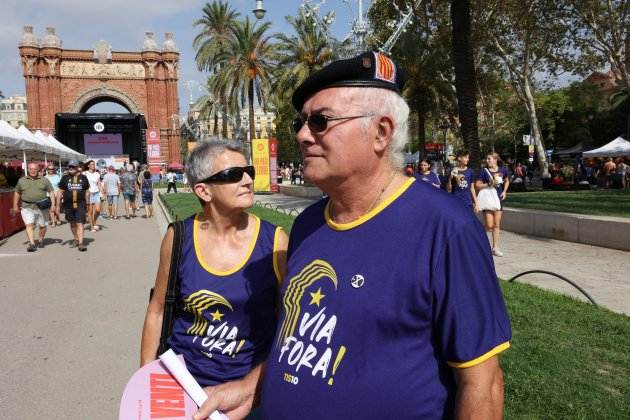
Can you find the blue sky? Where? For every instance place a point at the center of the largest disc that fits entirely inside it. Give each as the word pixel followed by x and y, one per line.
pixel 82 23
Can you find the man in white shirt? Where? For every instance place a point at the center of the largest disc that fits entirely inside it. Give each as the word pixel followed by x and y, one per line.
pixel 94 206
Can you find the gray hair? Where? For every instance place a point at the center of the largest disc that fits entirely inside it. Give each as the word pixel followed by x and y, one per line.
pixel 200 161
pixel 386 102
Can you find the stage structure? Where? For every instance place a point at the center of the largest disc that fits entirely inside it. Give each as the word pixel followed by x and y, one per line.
pixel 62 84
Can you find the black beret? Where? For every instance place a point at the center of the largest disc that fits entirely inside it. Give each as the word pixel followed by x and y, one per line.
pixel 370 69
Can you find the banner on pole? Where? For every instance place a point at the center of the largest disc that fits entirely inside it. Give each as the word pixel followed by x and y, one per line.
pixel 531 152
pixel 260 154
pixel 153 148
pixel 273 164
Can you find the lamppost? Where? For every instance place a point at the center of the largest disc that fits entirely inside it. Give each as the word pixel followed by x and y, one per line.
pixel 259 11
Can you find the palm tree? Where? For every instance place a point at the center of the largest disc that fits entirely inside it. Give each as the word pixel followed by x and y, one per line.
pixel 216 29
pixel 301 54
pixel 465 80
pixel 245 74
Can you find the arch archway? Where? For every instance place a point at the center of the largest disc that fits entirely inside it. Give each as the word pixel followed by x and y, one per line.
pixel 90 97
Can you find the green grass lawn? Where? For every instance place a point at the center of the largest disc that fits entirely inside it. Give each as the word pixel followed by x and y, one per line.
pixel 568 360
pixel 601 203
pixel 183 205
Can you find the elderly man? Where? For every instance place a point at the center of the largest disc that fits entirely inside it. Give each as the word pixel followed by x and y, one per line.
pixel 33 190
pixel 391 307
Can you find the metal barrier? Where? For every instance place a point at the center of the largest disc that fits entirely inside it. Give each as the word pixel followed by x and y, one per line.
pixel 289 212
pixel 558 276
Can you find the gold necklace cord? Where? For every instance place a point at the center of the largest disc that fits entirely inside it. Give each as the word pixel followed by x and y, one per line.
pixel 374 203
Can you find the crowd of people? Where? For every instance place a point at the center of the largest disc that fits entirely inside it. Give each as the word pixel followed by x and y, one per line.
pixel 461 181
pixel 83 194
pixel 292 173
pixel 600 173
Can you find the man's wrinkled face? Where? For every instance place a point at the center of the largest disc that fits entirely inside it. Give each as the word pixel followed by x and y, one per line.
pixel 335 152
pixel 33 169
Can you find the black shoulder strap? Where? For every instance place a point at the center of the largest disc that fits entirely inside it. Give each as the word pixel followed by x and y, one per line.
pixel 172 290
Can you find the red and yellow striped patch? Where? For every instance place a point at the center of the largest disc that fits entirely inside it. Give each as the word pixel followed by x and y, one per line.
pixel 385 68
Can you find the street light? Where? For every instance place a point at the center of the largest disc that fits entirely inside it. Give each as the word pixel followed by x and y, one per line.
pixel 259 12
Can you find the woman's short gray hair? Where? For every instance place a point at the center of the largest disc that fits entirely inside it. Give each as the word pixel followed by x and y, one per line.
pixel 201 158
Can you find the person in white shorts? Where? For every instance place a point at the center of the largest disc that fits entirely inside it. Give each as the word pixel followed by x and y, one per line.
pixel 94 206
pixel 111 187
pixel 31 190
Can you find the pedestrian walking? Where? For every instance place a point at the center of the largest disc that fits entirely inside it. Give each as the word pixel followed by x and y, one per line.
pixel 75 189
pixel 494 175
pixel 461 182
pixel 94 205
pixel 387 312
pixel 231 264
pixel 55 198
pixel 33 191
pixel 171 181
pixel 146 190
pixel 129 185
pixel 111 187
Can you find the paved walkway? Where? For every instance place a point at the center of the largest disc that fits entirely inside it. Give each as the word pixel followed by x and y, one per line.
pixel 71 321
pixel 604 273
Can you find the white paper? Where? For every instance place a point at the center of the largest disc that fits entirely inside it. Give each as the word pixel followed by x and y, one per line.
pixel 186 380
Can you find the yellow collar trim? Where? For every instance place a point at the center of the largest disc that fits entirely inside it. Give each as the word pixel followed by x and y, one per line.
pixel 239 266
pixel 367 216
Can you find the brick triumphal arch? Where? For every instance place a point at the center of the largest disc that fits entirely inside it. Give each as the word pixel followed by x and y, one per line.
pixel 62 82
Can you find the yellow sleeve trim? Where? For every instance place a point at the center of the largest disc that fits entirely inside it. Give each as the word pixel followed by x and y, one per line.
pixel 498 349
pixel 276 267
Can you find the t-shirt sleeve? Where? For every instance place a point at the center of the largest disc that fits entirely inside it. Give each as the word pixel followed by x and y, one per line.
pixel 49 186
pixel 86 183
pixel 18 187
pixel 470 317
pixel 61 184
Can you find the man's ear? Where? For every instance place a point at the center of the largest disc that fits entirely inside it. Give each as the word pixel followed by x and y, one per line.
pixel 384 133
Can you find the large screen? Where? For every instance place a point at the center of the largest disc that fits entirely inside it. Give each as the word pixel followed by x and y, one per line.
pixel 102 144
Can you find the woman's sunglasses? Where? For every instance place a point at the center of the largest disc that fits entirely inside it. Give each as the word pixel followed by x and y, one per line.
pixel 319 122
pixel 233 174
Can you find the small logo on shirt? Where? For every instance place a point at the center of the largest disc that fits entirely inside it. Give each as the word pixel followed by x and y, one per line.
pixel 357 281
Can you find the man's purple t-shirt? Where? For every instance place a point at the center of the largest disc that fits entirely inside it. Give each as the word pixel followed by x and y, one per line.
pixel 375 314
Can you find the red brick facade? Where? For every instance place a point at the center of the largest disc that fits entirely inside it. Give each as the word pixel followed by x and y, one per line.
pixel 61 80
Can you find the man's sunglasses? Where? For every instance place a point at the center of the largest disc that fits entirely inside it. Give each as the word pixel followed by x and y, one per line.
pixel 233 174
pixel 319 122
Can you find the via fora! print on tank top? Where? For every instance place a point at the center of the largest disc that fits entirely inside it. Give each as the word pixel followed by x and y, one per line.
pixel 376 313
pixel 226 320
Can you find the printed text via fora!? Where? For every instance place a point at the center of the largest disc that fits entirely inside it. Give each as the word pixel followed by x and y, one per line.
pixel 315 334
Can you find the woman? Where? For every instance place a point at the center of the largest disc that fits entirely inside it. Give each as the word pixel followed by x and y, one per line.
pixel 231 266
pixel 425 174
pixel 461 181
pixel 146 188
pixel 94 206
pixel 494 175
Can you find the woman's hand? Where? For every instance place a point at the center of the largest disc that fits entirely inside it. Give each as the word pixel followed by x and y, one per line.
pixel 503 195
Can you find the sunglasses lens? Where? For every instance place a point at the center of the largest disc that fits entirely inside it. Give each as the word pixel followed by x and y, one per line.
pixel 297 125
pixel 234 174
pixel 250 171
pixel 317 123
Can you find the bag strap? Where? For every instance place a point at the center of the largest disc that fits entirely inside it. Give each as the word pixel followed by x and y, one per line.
pixel 172 290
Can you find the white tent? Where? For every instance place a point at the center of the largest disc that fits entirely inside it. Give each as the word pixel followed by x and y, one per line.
pixel 617 147
pixel 61 150
pixel 13 139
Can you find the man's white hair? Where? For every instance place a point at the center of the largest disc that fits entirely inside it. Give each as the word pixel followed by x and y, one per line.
pixel 385 102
